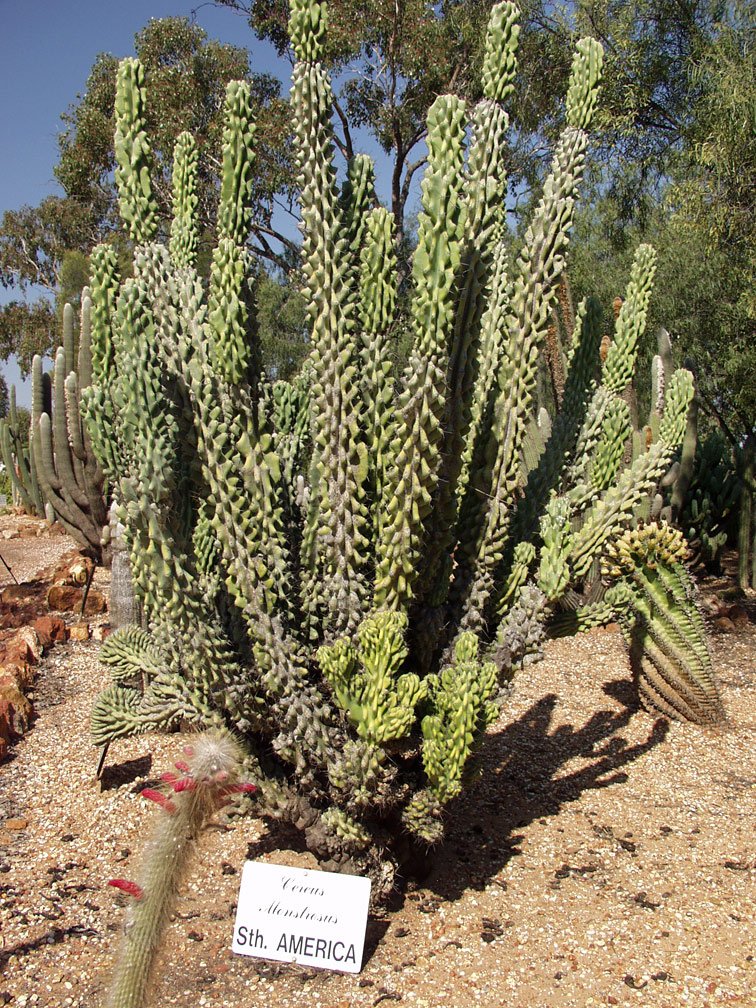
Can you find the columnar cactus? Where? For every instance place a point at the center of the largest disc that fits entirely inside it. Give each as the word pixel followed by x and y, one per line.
pixel 346 572
pixel 18 457
pixel 70 475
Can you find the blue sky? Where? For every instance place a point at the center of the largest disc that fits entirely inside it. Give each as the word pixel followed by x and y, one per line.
pixel 47 48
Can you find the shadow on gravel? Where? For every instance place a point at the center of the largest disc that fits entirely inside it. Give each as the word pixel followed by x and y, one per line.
pixel 521 782
pixel 115 775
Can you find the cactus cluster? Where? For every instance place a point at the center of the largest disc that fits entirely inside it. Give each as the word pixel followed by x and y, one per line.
pixel 59 476
pixel 18 456
pixel 70 476
pixel 346 570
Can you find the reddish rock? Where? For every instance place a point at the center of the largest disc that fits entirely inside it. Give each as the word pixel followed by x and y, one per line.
pixel 63 598
pixel 15 709
pixel 725 624
pixel 21 674
pixel 29 591
pixel 66 598
pixel 50 630
pixel 24 646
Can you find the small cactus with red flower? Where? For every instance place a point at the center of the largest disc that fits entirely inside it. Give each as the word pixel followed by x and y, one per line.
pixel 208 779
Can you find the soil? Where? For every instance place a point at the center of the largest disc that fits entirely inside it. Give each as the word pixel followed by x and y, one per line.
pixel 603 857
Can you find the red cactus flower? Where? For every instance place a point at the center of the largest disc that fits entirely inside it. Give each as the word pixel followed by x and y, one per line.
pixel 184 784
pixel 183 767
pixel 159 798
pixel 128 887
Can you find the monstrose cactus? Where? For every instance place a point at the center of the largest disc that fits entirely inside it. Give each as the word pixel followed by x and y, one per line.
pixel 346 571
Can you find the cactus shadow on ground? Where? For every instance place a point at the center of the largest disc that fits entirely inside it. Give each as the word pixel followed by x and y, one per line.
pixel 531 785
pixel 115 775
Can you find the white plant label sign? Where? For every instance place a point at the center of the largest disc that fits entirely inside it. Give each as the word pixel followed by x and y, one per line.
pixel 315 918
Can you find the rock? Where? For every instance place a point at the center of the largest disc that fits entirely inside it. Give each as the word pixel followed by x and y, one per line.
pixel 725 624
pixel 66 598
pixel 16 824
pixel 75 571
pixel 21 674
pixel 15 710
pixel 79 632
pixel 27 592
pixel 24 646
pixel 50 630
pixel 100 633
pixel 739 617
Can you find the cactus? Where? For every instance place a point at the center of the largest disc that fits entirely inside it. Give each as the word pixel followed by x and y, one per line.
pixel 344 571
pixel 70 476
pixel 654 598
pixel 208 780
pixel 20 463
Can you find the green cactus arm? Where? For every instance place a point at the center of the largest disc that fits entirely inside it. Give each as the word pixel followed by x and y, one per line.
pixel 619 365
pixel 334 546
pixel 380 704
pixel 135 199
pixel 19 461
pixel 499 60
pixel 520 635
pixel 485 513
pixel 230 318
pixel 461 697
pixel 184 229
pixel 419 436
pixel 377 306
pixel 582 619
pixel 485 200
pixel 69 340
pixel 214 762
pixel 103 290
pixel 608 457
pixel 130 651
pixel 561 445
pixel 556 534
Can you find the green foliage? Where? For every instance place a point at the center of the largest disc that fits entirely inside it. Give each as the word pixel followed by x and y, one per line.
pixel 185 74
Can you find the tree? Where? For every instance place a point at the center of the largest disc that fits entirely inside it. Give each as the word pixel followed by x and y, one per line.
pixel 46 246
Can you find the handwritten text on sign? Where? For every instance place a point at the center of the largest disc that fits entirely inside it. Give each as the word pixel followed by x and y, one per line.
pixel 293 915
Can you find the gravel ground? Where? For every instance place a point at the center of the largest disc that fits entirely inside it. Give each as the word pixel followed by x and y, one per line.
pixel 604 857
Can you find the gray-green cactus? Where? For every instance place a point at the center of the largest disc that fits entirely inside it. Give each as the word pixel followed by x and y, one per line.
pixel 71 478
pixel 346 570
pixel 18 457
